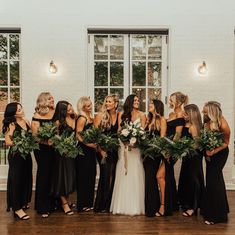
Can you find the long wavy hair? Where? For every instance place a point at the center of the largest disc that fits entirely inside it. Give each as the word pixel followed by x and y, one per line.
pixel 42 107
pixel 194 115
pixel 84 100
pixel 9 116
pixel 127 109
pixel 215 114
pixel 154 120
pixel 180 98
pixel 106 120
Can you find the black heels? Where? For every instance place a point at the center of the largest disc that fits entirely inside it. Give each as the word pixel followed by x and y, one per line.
pixel 160 214
pixel 189 213
pixel 23 217
pixel 68 212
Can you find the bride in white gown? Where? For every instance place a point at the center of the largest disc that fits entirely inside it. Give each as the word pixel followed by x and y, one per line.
pixel 128 192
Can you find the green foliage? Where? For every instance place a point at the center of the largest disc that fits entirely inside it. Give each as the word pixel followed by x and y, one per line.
pixel 91 135
pixel 67 145
pixel 108 142
pixel 46 131
pixel 24 143
pixel 209 140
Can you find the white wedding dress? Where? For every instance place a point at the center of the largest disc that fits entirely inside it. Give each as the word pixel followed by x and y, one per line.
pixel 128 192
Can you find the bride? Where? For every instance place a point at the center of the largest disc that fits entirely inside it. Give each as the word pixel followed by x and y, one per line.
pixel 128 193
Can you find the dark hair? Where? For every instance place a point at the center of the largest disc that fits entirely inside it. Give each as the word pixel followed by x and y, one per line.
pixel 61 113
pixel 127 108
pixel 9 116
pixel 159 107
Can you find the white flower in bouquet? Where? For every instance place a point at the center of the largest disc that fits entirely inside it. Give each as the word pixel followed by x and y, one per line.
pixel 125 132
pixel 132 140
pixel 134 132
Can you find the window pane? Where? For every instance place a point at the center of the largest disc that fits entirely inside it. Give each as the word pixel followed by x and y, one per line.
pixel 138 47
pixel 154 47
pixel 3 99
pixel 101 73
pixel 3 73
pixel 15 94
pixel 138 74
pixel 14 47
pixel 154 93
pixel 141 93
pixel 101 47
pixel 119 92
pixel 14 73
pixel 116 47
pixel 154 73
pixel 3 46
pixel 116 74
pixel 100 94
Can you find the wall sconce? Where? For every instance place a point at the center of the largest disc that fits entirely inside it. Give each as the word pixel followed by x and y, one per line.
pixel 52 67
pixel 202 69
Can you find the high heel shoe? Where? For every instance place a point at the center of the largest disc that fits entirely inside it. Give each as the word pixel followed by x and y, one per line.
pixel 188 214
pixel 209 222
pixel 24 217
pixel 160 214
pixel 69 212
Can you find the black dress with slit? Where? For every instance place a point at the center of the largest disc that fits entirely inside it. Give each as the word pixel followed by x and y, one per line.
pixel 45 158
pixel 107 176
pixel 191 180
pixel 64 174
pixel 171 200
pixel 152 197
pixel 19 182
pixel 85 175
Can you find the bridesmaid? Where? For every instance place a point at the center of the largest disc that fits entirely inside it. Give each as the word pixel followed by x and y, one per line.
pixel 64 175
pixel 215 205
pixel 175 124
pixel 19 183
pixel 155 168
pixel 191 180
pixel 107 120
pixel 44 156
pixel 85 165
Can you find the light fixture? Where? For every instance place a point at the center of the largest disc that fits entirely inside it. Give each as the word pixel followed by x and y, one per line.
pixel 52 67
pixel 202 69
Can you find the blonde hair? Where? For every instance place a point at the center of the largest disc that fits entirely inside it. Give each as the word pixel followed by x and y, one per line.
pixel 194 116
pixel 106 120
pixel 180 98
pixel 81 104
pixel 214 112
pixel 42 107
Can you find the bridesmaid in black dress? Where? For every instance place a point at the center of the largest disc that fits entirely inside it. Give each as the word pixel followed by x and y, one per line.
pixel 85 165
pixel 155 167
pixel 107 120
pixel 191 180
pixel 44 203
pixel 64 175
pixel 175 125
pixel 215 204
pixel 19 183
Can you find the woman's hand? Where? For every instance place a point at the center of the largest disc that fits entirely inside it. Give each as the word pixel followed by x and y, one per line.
pixel 210 153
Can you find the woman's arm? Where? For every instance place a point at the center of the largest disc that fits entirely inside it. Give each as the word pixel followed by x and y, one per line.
pixel 163 127
pixel 9 135
pixel 142 119
pixel 224 128
pixel 97 120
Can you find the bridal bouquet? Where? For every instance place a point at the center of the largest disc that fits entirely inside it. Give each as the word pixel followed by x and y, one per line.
pixel 132 135
pixel 67 145
pixel 46 131
pixel 24 143
pixel 209 140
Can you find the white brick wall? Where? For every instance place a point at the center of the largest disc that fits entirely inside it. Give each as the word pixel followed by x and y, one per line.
pixel 199 30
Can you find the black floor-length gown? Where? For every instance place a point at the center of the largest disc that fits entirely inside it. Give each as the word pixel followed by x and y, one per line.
pixel 64 174
pixel 44 202
pixel 85 175
pixel 191 180
pixel 171 200
pixel 19 182
pixel 215 203
pixel 107 176
pixel 152 196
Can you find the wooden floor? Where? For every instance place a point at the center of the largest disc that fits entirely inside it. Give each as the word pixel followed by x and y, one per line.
pixel 104 224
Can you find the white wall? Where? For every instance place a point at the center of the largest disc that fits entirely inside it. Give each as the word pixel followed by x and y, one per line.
pixel 199 30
